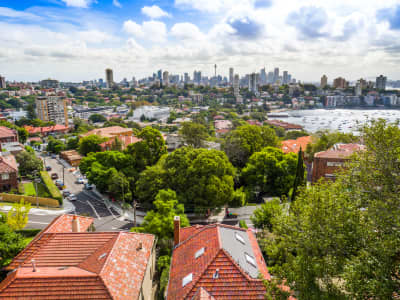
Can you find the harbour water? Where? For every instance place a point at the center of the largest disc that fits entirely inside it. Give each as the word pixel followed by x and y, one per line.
pixel 343 120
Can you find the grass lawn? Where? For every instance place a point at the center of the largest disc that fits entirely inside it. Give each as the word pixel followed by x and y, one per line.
pixel 30 190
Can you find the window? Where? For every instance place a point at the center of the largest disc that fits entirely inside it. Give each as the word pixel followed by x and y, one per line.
pixel 334 164
pixel 199 253
pixel 5 176
pixel 239 238
pixel 250 259
pixel 187 279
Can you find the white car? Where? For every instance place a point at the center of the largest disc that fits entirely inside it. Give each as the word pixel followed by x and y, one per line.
pixel 80 180
pixel 72 197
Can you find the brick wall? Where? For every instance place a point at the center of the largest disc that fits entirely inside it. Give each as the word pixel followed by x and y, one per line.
pixel 10 183
pixel 325 167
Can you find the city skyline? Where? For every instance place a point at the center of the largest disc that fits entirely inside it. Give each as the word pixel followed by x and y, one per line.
pixel 75 40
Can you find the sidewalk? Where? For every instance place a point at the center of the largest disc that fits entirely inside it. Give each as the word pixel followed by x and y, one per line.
pixel 67 208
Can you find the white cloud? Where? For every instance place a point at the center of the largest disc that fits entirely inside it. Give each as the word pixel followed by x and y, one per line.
pixel 12 13
pixel 153 31
pixel 79 3
pixel 186 31
pixel 154 12
pixel 117 3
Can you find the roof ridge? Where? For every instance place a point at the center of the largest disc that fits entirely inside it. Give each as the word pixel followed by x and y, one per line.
pixel 8 280
pixel 202 273
pixel 238 266
pixel 111 252
pixel 204 227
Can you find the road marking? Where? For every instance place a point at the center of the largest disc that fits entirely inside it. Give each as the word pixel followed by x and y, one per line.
pixel 91 205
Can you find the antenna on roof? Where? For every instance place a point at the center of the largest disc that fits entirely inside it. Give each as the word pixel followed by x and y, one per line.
pixel 33 265
pixel 216 274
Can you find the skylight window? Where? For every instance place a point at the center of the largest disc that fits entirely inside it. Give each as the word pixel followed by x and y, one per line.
pixel 187 279
pixel 239 238
pixel 199 252
pixel 250 259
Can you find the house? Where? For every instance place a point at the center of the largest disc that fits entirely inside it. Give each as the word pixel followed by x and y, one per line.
pixel 72 157
pixel 327 163
pixel 215 261
pixel 125 142
pixel 66 261
pixel 286 126
pixel 13 147
pixel 293 146
pixel 8 172
pixel 8 135
pixel 44 131
pixel 109 132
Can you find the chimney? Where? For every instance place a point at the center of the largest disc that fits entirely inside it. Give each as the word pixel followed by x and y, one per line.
pixel 75 224
pixel 177 230
pixel 33 265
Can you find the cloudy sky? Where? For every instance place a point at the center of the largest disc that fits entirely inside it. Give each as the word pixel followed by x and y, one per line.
pixel 73 40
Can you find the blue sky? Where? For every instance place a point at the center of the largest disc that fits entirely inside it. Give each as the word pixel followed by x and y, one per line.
pixel 75 40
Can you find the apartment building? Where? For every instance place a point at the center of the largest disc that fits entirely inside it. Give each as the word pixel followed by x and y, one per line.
pixel 52 108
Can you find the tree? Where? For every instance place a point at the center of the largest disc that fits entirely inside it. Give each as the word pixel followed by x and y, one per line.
pixel 17 216
pixel 28 163
pixel 97 118
pixel 295 134
pixel 31 112
pixel 201 178
pixel 22 135
pixel 270 172
pixel 116 144
pixel 11 244
pixel 54 145
pixel 341 240
pixel 245 140
pixel 193 134
pixel 300 179
pixel 160 221
pixel 262 217
pixel 73 143
pixel 90 143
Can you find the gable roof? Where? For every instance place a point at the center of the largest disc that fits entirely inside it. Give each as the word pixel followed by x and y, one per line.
pixel 294 146
pixel 96 265
pixel 109 131
pixel 237 278
pixel 340 151
pixel 8 164
pixel 6 132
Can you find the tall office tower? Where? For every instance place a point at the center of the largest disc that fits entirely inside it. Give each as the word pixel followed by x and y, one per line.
pixel 253 83
pixel 186 78
pixel 270 77
pixel 215 70
pixel 340 83
pixel 276 75
pixel 165 78
pixel 159 74
pixel 109 78
pixel 231 76
pixel 53 109
pixel 290 78
pixel 3 84
pixel 197 77
pixel 381 82
pixel 285 77
pixel 324 81
pixel 263 76
pixel 358 90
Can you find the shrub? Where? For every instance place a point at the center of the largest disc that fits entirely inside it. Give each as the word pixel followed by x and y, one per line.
pixel 242 224
pixel 51 187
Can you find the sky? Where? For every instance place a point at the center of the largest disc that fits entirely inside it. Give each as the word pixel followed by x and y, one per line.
pixel 74 40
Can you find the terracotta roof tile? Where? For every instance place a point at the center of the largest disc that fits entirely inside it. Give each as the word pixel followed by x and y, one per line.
pixel 293 146
pixel 109 131
pixel 6 132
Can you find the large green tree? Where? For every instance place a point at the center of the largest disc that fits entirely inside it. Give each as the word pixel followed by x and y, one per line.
pixel 341 240
pixel 11 244
pixel 245 140
pixel 194 134
pixel 202 179
pixel 95 118
pixel 28 163
pixel 270 172
pixel 90 143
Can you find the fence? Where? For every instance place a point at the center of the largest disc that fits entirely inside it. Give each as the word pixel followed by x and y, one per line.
pixel 17 198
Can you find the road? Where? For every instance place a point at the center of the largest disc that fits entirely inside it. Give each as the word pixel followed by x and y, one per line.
pixel 88 204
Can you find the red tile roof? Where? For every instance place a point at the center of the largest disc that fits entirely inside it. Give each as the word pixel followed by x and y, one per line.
pixel 47 129
pixel 293 146
pixel 202 294
pixel 233 281
pixel 79 265
pixel 8 164
pixel 6 132
pixel 125 140
pixel 284 125
pixel 342 151
pixel 109 131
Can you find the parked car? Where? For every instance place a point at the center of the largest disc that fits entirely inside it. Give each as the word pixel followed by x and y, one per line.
pixel 66 193
pixel 80 180
pixel 59 183
pixel 48 168
pixel 88 186
pixel 53 156
pixel 72 197
pixel 54 176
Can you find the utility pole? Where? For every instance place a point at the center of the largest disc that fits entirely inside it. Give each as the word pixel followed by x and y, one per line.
pixel 134 212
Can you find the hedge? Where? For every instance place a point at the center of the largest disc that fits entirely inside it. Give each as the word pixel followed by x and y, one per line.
pixel 51 187
pixel 31 199
pixel 28 232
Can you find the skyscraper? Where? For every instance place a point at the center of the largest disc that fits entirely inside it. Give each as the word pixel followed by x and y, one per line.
pixel 253 83
pixel 3 84
pixel 381 82
pixel 52 109
pixel 340 83
pixel 186 78
pixel 159 74
pixel 276 75
pixel 109 78
pixel 263 76
pixel 324 81
pixel 270 77
pixel 197 77
pixel 231 76
pixel 165 78
pixel 285 77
